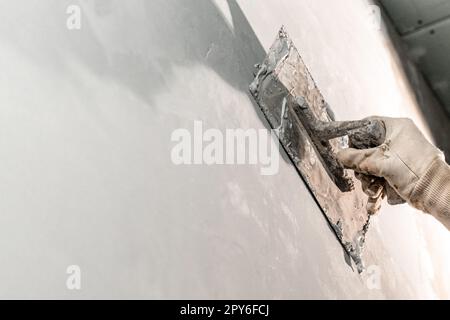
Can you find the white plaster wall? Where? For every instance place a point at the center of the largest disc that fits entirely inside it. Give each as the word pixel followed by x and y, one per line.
pixel 86 177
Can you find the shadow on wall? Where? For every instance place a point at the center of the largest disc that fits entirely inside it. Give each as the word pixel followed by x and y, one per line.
pixel 175 32
pixel 172 33
pixel 141 52
pixel 136 43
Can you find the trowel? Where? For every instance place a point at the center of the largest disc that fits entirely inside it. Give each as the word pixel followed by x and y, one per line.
pixel 295 108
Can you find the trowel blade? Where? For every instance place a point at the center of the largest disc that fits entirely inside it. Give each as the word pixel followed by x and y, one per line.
pixel 280 79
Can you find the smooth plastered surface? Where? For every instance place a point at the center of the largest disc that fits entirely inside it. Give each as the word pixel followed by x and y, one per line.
pixel 86 118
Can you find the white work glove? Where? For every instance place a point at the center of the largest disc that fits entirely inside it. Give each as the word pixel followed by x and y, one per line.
pixel 411 165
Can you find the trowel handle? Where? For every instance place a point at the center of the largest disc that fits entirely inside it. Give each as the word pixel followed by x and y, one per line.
pixel 371 135
pixel 365 134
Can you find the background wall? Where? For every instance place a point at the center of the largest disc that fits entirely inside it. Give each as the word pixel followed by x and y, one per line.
pixel 86 177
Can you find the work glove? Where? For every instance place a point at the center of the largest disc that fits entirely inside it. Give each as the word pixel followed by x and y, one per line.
pixel 412 166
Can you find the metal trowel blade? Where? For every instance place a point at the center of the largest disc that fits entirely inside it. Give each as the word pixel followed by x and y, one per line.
pixel 281 80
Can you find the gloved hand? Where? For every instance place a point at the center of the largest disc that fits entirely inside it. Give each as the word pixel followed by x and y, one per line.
pixel 411 165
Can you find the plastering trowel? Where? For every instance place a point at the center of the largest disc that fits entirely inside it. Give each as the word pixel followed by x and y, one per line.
pixel 304 123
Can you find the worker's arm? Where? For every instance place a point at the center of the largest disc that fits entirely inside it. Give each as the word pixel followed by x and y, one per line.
pixel 410 164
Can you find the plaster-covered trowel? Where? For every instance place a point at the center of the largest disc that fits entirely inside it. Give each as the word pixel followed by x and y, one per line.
pixel 295 108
